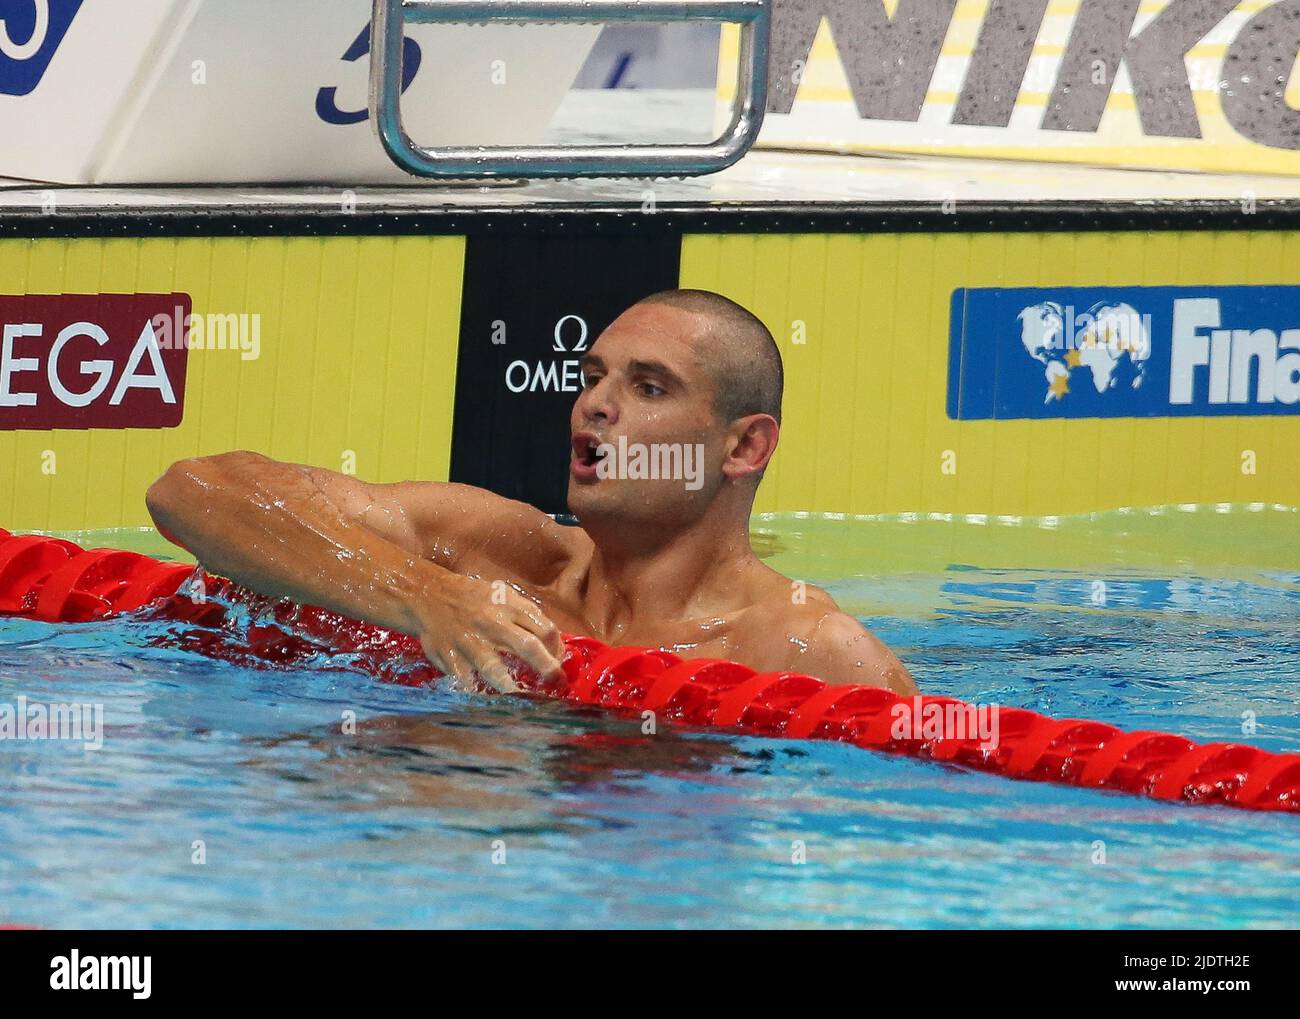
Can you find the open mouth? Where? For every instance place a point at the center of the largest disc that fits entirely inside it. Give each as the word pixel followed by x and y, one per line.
pixel 587 449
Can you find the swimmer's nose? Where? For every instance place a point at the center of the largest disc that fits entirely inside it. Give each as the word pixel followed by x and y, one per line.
pixel 595 405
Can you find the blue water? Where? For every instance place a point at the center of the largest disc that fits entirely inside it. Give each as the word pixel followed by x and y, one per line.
pixel 228 797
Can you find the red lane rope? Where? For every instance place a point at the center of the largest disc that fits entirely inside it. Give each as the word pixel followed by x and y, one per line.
pixel 56 581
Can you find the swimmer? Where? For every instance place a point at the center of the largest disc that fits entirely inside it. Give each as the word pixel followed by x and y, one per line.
pixel 678 418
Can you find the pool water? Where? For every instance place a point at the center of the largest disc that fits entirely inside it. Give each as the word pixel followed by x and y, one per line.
pixel 229 797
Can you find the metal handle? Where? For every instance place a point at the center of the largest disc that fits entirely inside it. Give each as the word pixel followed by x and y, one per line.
pixel 388 26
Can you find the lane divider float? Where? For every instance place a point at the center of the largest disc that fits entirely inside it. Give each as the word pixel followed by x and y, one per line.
pixel 54 580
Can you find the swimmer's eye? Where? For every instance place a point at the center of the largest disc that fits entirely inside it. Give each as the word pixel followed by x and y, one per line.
pixel 658 391
pixel 589 380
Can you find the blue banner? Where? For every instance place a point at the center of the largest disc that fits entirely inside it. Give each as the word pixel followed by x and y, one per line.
pixel 1127 352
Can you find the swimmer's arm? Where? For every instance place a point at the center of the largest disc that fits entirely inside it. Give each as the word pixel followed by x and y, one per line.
pixel 376 552
pixel 841 650
pixel 291 531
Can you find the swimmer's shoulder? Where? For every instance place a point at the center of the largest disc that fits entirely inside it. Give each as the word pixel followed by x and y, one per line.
pixel 800 628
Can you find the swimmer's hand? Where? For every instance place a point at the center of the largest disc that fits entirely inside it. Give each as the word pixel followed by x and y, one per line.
pixel 465 624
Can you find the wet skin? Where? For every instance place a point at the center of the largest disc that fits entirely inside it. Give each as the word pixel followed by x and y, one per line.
pixel 655 563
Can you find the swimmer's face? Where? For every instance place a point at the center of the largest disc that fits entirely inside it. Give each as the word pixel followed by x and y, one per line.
pixel 645 383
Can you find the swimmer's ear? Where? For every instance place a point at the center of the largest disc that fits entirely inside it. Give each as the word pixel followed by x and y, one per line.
pixel 751 442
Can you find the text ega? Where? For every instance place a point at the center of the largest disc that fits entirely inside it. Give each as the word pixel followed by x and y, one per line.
pixel 72 360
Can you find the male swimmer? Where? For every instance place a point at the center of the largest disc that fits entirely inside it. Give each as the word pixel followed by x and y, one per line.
pixel 657 561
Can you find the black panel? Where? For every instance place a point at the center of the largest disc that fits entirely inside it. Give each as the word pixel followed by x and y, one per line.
pixel 670 218
pixel 516 443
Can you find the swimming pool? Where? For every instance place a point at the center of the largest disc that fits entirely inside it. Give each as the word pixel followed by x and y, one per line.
pixel 449 809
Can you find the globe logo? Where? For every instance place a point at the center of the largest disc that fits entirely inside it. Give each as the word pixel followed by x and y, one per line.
pixel 1078 348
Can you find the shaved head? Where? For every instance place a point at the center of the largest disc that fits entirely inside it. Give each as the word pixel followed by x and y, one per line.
pixel 742 357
